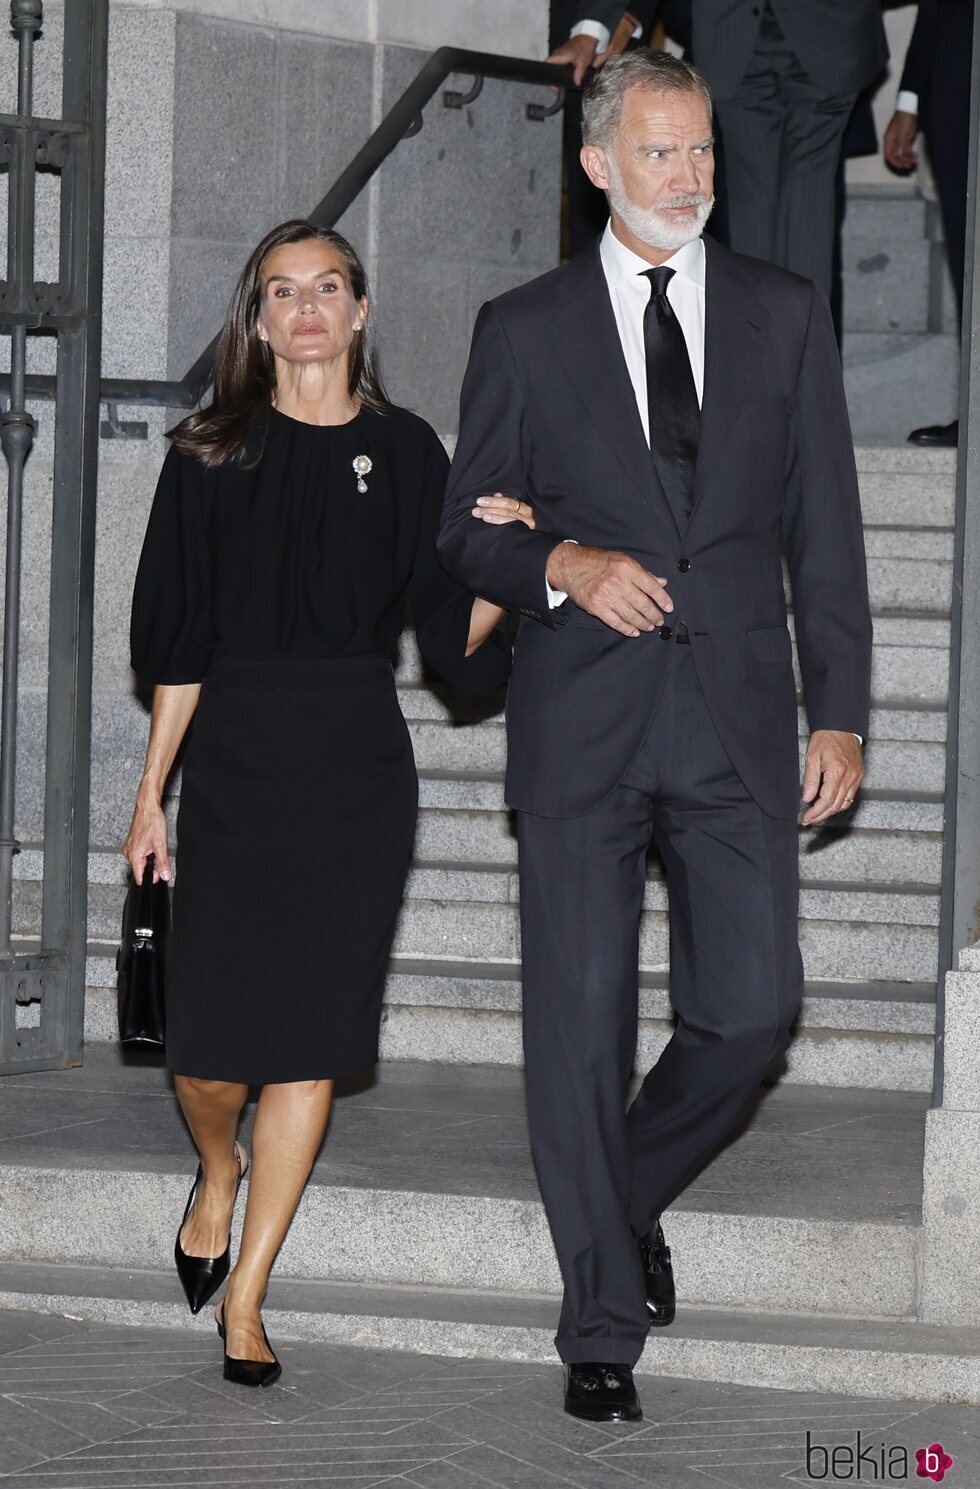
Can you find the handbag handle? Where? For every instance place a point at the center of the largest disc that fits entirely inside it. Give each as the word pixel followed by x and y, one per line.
pixel 145 911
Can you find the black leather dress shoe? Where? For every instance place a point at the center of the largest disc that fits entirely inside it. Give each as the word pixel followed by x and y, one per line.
pixel 659 1275
pixel 947 435
pixel 601 1393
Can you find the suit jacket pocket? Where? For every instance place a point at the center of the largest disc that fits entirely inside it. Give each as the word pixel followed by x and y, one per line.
pixel 770 644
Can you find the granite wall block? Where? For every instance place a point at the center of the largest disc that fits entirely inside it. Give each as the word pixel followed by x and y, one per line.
pixel 465 208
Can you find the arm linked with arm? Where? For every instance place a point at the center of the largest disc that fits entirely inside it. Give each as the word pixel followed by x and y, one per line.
pixel 504 564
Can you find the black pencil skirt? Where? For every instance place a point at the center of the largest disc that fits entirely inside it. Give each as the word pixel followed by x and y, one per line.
pixel 294 836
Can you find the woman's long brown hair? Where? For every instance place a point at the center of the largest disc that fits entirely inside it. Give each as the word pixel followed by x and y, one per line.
pixel 244 369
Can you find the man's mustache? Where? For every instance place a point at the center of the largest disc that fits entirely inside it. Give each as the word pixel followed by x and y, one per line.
pixel 688 201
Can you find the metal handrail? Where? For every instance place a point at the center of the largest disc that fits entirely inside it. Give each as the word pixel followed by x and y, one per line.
pixel 402 120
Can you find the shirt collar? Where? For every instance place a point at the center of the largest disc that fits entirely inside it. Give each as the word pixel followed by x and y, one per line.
pixel 620 263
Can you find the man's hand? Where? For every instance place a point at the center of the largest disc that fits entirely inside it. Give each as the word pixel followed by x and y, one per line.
pixel 834 771
pixel 899 142
pixel 611 586
pixel 580 52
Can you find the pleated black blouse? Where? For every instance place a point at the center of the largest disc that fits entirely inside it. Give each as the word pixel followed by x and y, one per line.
pixel 289 559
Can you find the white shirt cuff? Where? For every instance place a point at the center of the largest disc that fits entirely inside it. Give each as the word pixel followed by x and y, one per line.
pixel 556 597
pixel 592 28
pixel 907 102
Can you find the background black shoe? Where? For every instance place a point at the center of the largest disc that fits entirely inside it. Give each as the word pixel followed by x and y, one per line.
pixel 947 435
pixel 659 1275
pixel 601 1393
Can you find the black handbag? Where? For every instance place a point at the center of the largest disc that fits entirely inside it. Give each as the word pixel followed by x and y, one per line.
pixel 141 963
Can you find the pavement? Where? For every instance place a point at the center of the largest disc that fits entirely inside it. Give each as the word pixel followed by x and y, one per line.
pixel 84 1406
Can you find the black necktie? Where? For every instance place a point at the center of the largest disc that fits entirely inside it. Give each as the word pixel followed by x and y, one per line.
pixel 672 399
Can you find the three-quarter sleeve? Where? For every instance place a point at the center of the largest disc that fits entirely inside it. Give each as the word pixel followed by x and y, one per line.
pixel 170 630
pixel 441 608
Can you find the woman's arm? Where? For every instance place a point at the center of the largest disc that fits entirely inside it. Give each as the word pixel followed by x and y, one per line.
pixel 173 709
pixel 496 510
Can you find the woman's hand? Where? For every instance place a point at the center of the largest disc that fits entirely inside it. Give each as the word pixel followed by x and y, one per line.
pixel 148 834
pixel 499 509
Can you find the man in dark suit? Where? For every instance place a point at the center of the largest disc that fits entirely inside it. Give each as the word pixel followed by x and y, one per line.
pixel 653 693
pixel 785 75
pixel 935 93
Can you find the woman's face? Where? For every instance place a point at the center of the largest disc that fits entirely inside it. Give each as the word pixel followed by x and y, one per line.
pixel 307 312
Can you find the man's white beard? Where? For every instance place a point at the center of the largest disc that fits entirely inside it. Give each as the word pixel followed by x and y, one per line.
pixel 652 225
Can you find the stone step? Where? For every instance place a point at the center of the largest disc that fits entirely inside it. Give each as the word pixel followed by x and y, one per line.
pixel 876 1360
pixel 878 845
pixel 438 1158
pixel 852 854
pixel 832 948
pixel 478 791
pixel 883 541
pixel 908 500
pixel 910 719
pixel 896 381
pixel 892 765
pixel 886 283
pixel 477 884
pixel 906 754
pixel 870 1035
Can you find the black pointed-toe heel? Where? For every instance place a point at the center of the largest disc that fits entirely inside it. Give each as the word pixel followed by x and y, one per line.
pixel 201 1276
pixel 249 1372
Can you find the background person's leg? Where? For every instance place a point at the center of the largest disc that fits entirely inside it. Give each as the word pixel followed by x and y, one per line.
pixel 812 141
pixel 752 128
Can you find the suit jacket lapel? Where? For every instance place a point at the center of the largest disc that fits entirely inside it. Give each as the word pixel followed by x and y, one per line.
pixel 735 331
pixel 588 345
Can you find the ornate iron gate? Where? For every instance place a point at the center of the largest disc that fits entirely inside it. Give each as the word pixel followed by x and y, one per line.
pixel 49 974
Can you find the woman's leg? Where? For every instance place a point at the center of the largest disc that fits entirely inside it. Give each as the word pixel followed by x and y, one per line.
pixel 212 1110
pixel 288 1130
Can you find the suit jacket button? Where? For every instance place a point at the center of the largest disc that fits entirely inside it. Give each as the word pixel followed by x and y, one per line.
pixel 683 565
pixel 665 633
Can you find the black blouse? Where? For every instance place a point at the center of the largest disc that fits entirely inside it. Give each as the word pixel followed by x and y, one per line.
pixel 289 560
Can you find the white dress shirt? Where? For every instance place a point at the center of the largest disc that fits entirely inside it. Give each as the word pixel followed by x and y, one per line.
pixel 600 32
pixel 629 291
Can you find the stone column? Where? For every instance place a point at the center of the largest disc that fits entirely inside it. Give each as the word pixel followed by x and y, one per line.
pixel 951 1175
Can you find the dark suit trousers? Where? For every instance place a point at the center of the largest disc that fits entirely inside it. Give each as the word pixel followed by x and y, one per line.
pixel 735 984
pixel 783 140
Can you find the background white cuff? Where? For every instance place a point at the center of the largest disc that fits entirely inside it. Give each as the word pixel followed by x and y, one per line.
pixel 907 102
pixel 592 28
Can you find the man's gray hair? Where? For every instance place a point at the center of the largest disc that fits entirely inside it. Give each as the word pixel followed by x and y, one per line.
pixel 656 72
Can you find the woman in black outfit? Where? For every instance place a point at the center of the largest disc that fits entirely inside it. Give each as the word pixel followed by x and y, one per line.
pixel 292 519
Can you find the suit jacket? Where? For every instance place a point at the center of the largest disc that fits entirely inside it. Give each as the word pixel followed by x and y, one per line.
pixel 548 413
pixel 840 43
pixel 941 27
